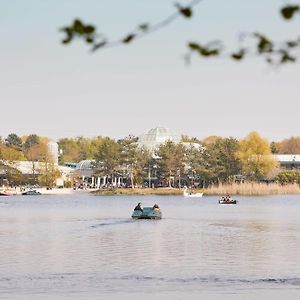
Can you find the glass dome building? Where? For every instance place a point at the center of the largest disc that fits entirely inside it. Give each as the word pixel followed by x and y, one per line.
pixel 84 168
pixel 152 139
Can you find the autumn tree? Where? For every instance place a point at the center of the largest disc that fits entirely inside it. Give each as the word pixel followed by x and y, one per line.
pixel 48 173
pixel 79 148
pixel 38 153
pixel 255 155
pixel 31 140
pixel 8 162
pixel 289 146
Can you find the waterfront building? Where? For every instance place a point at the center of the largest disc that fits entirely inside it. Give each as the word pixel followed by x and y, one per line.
pixel 288 161
pixel 153 138
pixel 85 175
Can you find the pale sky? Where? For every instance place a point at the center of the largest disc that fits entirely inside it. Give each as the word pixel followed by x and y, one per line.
pixel 64 91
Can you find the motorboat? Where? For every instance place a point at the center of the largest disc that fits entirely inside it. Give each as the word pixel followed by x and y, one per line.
pixel 31 193
pixel 147 213
pixel 191 194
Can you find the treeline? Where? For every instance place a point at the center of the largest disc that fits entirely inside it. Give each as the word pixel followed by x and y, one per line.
pixel 31 148
pixel 195 162
pixel 80 148
pixel 205 162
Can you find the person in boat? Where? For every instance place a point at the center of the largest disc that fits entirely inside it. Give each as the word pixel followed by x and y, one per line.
pixel 139 207
pixel 156 207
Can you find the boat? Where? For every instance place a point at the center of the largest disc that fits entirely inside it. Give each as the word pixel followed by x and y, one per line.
pixel 147 213
pixel 190 194
pixel 3 193
pixel 31 193
pixel 227 201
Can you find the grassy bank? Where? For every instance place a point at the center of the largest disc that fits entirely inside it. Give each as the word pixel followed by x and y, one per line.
pixel 253 189
pixel 139 191
pixel 246 189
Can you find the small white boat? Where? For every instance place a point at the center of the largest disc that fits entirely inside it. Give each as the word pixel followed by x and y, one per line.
pixel 190 194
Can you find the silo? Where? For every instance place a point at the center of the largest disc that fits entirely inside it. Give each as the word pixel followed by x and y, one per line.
pixel 53 150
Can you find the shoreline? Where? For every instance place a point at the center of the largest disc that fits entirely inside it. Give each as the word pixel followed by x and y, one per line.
pixel 245 189
pixel 254 189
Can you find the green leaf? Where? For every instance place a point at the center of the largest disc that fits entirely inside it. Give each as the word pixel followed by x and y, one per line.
pixel 204 51
pixel 264 45
pixel 144 27
pixel 292 44
pixel 194 46
pixel 89 39
pixel 286 57
pixel 99 45
pixel 128 38
pixel 69 35
pixel 89 29
pixel 184 11
pixel 239 55
pixel 78 27
pixel 288 12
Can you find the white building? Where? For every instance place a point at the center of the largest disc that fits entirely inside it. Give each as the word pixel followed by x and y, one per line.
pixel 288 161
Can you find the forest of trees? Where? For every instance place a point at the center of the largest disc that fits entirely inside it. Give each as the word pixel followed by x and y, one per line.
pixel 212 160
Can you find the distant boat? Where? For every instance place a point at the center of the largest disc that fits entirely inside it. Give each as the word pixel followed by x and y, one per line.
pixel 190 194
pixel 227 201
pixel 3 193
pixel 31 193
pixel 147 213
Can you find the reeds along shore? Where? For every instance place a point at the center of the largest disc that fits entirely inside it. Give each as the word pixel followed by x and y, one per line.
pixel 246 189
pixel 253 189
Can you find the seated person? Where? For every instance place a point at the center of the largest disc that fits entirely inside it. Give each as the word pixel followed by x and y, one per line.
pixel 155 206
pixel 139 207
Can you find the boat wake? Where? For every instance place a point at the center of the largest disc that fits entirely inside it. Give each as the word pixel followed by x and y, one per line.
pixel 112 223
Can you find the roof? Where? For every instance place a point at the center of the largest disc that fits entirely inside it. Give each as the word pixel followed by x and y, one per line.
pixel 287 158
pixel 157 136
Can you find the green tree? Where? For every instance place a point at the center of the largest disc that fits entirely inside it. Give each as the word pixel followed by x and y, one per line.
pixel 222 159
pixel 107 158
pixel 134 159
pixel 288 177
pixel 14 141
pixel 255 155
pixel 171 160
pixel 215 162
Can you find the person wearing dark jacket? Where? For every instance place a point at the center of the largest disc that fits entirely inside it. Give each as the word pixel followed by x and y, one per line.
pixel 139 207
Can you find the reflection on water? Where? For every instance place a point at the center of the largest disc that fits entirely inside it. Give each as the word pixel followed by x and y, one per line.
pixel 88 246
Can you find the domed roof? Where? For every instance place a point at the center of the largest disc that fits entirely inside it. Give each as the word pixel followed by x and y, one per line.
pixel 157 136
pixel 84 165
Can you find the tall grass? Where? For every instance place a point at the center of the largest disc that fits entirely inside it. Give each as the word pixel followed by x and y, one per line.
pixel 253 188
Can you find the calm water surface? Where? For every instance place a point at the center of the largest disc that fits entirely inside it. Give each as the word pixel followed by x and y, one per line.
pixel 87 247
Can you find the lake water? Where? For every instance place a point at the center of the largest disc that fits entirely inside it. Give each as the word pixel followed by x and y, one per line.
pixel 87 247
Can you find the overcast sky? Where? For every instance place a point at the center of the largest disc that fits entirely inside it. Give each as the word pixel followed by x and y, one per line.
pixel 60 91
